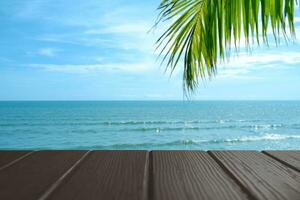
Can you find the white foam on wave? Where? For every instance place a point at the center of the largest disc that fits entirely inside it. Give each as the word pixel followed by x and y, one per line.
pixel 264 137
pixel 174 144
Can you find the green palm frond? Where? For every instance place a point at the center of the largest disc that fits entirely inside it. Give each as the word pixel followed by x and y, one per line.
pixel 202 32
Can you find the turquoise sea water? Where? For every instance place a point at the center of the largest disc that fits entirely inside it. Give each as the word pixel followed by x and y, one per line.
pixel 150 125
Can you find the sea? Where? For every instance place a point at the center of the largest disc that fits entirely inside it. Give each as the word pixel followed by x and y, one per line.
pixel 150 125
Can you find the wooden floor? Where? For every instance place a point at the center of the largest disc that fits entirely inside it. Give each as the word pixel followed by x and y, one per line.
pixel 155 175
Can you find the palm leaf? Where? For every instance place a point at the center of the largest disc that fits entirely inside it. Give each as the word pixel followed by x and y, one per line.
pixel 202 31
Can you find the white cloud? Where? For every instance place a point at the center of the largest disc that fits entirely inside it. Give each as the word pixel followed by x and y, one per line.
pixel 93 68
pixel 242 65
pixel 48 52
pixel 45 52
pixel 138 27
pixel 130 41
pixel 265 59
pixel 63 38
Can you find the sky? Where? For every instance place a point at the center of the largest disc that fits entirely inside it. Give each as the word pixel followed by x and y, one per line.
pixel 103 50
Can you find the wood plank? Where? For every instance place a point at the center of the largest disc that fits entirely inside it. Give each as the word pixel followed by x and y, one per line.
pixel 193 175
pixel 263 176
pixel 107 175
pixel 290 158
pixel 7 157
pixel 33 175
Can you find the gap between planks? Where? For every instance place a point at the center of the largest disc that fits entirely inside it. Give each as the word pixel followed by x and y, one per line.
pixel 281 161
pixel 231 175
pixel 57 183
pixel 16 160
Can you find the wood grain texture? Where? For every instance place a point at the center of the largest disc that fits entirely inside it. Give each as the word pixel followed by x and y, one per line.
pixel 33 175
pixel 190 175
pixel 263 176
pixel 7 157
pixel 290 158
pixel 107 175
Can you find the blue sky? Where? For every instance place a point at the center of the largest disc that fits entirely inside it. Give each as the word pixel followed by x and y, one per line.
pixel 101 50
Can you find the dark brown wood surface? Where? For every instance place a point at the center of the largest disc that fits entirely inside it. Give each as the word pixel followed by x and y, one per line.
pixel 261 175
pixel 155 175
pixel 31 177
pixel 7 157
pixel 107 175
pixel 182 175
pixel 290 158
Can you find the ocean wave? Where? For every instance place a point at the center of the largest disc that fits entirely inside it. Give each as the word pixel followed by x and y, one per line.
pixel 264 137
pixel 117 123
pixel 157 127
pixel 195 128
pixel 243 139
